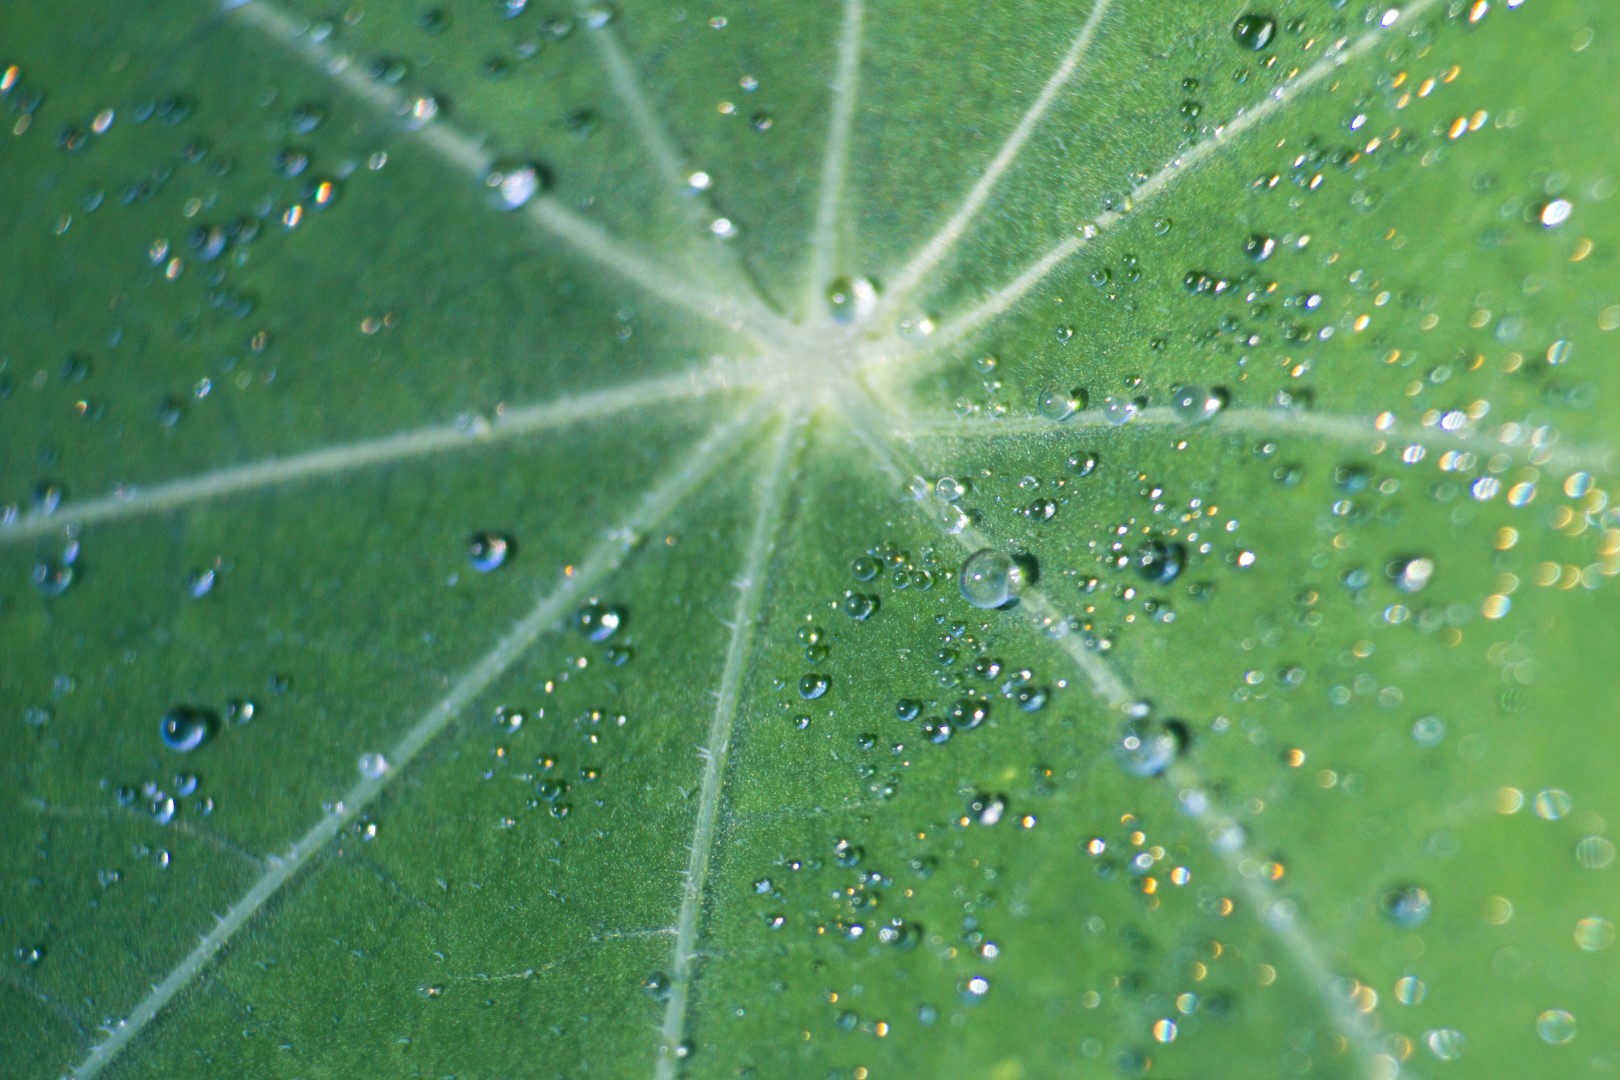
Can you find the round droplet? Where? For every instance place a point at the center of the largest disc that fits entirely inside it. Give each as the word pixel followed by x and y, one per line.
pixel 184 729
pixel 1594 934
pixel 1057 405
pixel 1444 1043
pixel 1148 747
pixel 865 568
pixel 861 606
pixel 1254 32
pixel 990 578
pixel 511 184
pixel 487 551
pixel 950 488
pixel 1160 562
pixel 1119 410
pixel 372 765
pixel 1259 247
pixel 599 621
pixel 852 299
pixel 1555 1026
pixel 1081 463
pixel 1410 575
pixel 1408 906
pixel 1410 990
pixel 812 686
pixel 1194 404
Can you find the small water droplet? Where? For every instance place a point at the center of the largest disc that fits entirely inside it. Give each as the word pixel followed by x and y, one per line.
pixel 1058 405
pixel 1408 906
pixel 1254 32
pixel 1081 463
pixel 488 551
pixel 1555 1026
pixel 990 578
pixel 1119 410
pixel 511 184
pixel 1148 747
pixel 598 622
pixel 812 686
pixel 1160 562
pixel 852 299
pixel 184 728
pixel 1194 404
pixel 372 765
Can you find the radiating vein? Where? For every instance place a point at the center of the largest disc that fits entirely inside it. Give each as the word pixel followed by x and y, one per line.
pixel 1004 298
pixel 509 423
pixel 869 420
pixel 1227 838
pixel 773 491
pixel 835 163
pixel 466 153
pixel 672 165
pixel 605 557
pixel 940 244
pixel 1380 432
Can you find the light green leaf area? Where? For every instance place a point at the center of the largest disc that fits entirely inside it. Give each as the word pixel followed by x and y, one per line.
pixel 1268 387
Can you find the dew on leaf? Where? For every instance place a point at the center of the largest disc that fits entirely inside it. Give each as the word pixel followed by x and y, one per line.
pixel 1258 247
pixel 1146 747
pixel 183 728
pixel 1410 575
pixel 1194 404
pixel 1444 1043
pixel 598 621
pixel 1594 934
pixel 852 299
pixel 1410 990
pixel 865 568
pixel 861 606
pixel 1407 906
pixel 1118 409
pixel 950 488
pixel 1556 1027
pixel 1160 562
pixel 1057 405
pixel 990 578
pixel 813 685
pixel 1081 463
pixel 1254 32
pixel 511 184
pixel 488 551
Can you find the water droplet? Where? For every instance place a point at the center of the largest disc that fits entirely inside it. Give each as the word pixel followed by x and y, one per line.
pixel 1410 575
pixel 1555 1026
pixel 511 184
pixel 487 551
pixel 812 686
pixel 861 606
pixel 950 488
pixel 1119 410
pixel 1160 562
pixel 990 578
pixel 184 729
pixel 974 989
pixel 372 765
pixel 1259 247
pixel 1058 405
pixel 1555 213
pixel 1065 334
pixel 1444 1043
pixel 1410 990
pixel 1254 32
pixel 1195 404
pixel 1594 934
pixel 852 299
pixel 1081 463
pixel 865 568
pixel 1148 747
pixel 1408 906
pixel 599 621
pixel 1551 804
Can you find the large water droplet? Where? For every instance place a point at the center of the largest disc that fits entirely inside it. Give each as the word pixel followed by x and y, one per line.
pixel 990 578
pixel 184 728
pixel 1555 1026
pixel 1254 32
pixel 511 184
pixel 1194 403
pixel 487 551
pixel 1160 562
pixel 852 299
pixel 1148 747
pixel 1057 405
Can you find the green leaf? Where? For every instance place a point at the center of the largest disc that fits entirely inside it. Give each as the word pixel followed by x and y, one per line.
pixel 565 466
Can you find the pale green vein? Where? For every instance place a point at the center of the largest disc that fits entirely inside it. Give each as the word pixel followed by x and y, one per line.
pixel 466 152
pixel 1228 839
pixel 869 419
pixel 672 166
pixel 938 247
pixel 1167 177
pixel 835 162
pixel 774 487
pixel 1521 439
pixel 605 557
pixel 131 500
